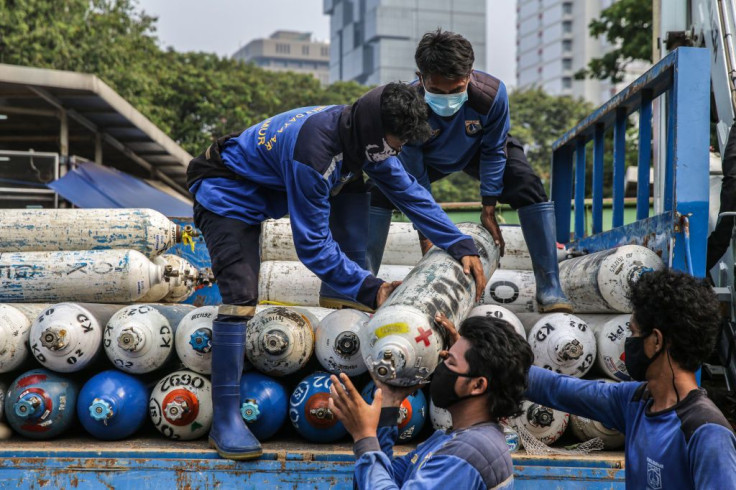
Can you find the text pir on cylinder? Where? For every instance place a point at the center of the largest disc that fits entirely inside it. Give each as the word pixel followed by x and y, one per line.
pixel 400 344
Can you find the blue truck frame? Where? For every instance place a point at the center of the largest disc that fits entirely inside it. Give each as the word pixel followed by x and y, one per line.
pixel 678 234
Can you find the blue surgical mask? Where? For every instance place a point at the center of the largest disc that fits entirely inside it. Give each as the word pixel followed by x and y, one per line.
pixel 445 104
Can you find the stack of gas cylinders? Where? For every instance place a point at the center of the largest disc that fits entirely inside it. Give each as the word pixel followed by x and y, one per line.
pixel 93 331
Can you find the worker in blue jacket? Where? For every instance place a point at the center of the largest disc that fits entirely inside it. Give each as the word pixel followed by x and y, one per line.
pixel 481 380
pixel 676 438
pixel 469 116
pixel 309 163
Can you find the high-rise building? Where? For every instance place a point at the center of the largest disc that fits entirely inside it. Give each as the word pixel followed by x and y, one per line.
pixel 553 43
pixel 373 41
pixel 289 51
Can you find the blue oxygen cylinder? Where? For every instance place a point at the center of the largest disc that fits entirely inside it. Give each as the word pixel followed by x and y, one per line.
pixel 309 412
pixel 40 404
pixel 263 404
pixel 412 412
pixel 112 405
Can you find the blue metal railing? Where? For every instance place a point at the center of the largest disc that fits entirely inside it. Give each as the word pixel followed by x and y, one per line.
pixel 682 78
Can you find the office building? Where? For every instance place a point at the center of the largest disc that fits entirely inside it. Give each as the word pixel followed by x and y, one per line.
pixel 373 41
pixel 288 51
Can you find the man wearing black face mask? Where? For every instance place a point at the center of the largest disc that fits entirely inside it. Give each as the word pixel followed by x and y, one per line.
pixel 675 436
pixel 481 380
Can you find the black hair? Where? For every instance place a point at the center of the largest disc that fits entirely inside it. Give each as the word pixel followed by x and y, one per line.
pixel 503 357
pixel 404 113
pixel 683 308
pixel 444 53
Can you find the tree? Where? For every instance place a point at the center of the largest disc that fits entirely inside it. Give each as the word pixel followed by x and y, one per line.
pixel 626 24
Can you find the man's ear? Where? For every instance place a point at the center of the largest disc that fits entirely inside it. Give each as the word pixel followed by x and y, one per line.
pixel 479 385
pixel 658 339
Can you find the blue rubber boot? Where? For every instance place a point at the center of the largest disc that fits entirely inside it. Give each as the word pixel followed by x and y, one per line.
pixel 349 227
pixel 229 435
pixel 378 227
pixel 538 226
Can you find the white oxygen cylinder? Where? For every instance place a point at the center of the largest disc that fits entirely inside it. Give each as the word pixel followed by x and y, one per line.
pixel 611 338
pixel 400 344
pixel 140 338
pixel 440 417
pixel 280 341
pixel 563 343
pixel 157 291
pixel 515 290
pixel 94 276
pixel 193 339
pixel 14 330
pixel 317 312
pixel 292 283
pixel 180 405
pixel 50 230
pixel 336 342
pixel 500 313
pixel 544 423
pixel 66 337
pixel 178 287
pixel 601 282
pixel 585 429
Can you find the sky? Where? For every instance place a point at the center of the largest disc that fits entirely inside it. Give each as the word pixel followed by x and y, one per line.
pixel 223 26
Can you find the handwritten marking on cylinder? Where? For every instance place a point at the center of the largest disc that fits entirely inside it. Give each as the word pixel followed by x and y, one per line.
pixel 423 336
pixel 392 329
pixel 497 295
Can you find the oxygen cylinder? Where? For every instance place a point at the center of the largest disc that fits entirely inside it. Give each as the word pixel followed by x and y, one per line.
pixel 610 339
pixel 66 337
pixel 292 283
pixel 500 313
pixel 140 338
pixel 513 289
pixel 95 276
pixel 14 330
pixel 180 405
pixel 585 429
pixel 179 287
pixel 280 341
pixel 112 405
pixel 336 342
pixel 601 282
pixel 440 417
pixel 400 344
pixel 544 423
pixel 563 343
pixel 193 340
pixel 40 404
pixel 412 412
pixel 309 413
pixel 263 404
pixel 317 312
pixel 49 230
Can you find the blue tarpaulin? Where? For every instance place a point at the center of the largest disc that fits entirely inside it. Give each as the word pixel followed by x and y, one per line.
pixel 93 186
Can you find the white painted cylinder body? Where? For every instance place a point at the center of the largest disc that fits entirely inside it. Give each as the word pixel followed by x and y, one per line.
pixel 66 337
pixel 594 320
pixel 292 283
pixel 611 338
pixel 563 343
pixel 14 330
pixel 193 339
pixel 440 417
pixel 501 313
pixel 178 287
pixel 180 405
pixel 402 245
pixel 513 289
pixel 601 282
pixel 317 312
pixel 140 338
pixel 94 276
pixel 48 230
pixel 157 291
pixel 400 344
pixel 336 342
pixel 585 429
pixel 280 341
pixel 544 423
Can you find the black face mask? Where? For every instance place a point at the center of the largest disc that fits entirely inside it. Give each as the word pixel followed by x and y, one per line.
pixel 442 390
pixel 636 359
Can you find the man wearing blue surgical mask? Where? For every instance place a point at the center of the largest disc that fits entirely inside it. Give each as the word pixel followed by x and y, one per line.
pixel 469 117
